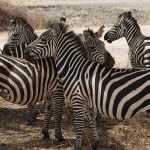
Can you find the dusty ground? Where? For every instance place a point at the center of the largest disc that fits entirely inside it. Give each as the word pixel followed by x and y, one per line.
pixel 132 134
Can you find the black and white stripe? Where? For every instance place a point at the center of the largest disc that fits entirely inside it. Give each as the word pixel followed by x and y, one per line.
pixel 126 26
pixel 55 89
pixel 95 49
pixel 25 83
pixel 20 35
pixel 117 93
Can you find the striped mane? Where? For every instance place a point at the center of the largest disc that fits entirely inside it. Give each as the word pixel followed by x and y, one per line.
pixel 65 30
pixel 23 21
pixel 127 15
pixel 91 32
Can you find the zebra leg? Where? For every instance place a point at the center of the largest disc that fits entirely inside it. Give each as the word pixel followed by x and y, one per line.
pixel 31 114
pixel 148 113
pixel 92 126
pixel 58 103
pixel 79 121
pixel 48 112
pixel 98 118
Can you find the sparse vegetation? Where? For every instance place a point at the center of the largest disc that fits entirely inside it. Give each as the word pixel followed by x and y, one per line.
pixel 8 11
pixel 132 134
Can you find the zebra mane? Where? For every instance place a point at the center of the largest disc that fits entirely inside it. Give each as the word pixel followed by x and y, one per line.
pixel 27 24
pixel 128 15
pixel 24 22
pixel 65 29
pixel 125 15
pixel 91 32
pixel 134 21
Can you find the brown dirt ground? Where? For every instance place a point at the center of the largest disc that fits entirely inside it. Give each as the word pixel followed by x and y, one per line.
pixel 15 134
pixel 133 134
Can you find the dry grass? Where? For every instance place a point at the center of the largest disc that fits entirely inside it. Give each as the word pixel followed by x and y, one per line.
pixel 9 11
pixel 133 134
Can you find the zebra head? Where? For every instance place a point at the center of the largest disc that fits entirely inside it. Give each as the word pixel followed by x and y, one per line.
pixel 41 47
pixel 95 48
pixel 20 35
pixel 91 40
pixel 21 32
pixel 45 45
pixel 119 28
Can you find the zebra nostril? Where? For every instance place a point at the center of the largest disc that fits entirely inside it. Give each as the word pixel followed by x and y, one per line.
pixel 105 36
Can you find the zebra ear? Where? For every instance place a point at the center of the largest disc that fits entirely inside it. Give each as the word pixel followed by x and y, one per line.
pixel 86 33
pixel 126 15
pixel 56 29
pixel 129 14
pixel 15 21
pixel 99 33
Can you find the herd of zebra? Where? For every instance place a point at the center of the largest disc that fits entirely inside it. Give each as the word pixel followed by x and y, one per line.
pixel 60 65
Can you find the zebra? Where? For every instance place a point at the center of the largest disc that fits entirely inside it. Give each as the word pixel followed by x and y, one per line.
pixel 97 52
pixel 89 86
pixel 24 83
pixel 19 37
pixel 126 26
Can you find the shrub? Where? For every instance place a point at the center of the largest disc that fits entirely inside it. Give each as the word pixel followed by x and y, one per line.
pixel 9 11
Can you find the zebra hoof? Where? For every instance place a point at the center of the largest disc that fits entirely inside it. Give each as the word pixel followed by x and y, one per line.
pixel 31 121
pixel 47 144
pixel 34 119
pixel 35 114
pixel 76 148
pixel 63 142
pixel 46 136
pixel 93 147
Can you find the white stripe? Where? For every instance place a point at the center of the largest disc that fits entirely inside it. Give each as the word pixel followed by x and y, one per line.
pixel 138 103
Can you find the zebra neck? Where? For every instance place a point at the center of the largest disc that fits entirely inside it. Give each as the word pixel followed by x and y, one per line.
pixel 134 50
pixel 68 56
pixel 133 38
pixel 132 33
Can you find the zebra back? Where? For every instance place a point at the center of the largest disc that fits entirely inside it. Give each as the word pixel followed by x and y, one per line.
pixel 24 83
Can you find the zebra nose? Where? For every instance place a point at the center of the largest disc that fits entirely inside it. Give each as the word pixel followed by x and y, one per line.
pixel 105 36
